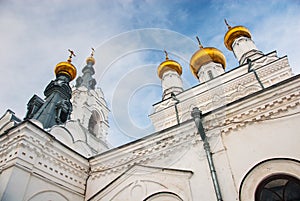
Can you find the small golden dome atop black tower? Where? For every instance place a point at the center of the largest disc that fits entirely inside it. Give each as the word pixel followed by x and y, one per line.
pixel 66 67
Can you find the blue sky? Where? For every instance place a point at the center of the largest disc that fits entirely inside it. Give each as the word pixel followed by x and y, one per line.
pixel 129 38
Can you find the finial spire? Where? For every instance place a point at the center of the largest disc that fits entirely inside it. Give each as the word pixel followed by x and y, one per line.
pixel 228 26
pixel 71 54
pixel 88 71
pixel 167 55
pixel 199 42
pixel 93 52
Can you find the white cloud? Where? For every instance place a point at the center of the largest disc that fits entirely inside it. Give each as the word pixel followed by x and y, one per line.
pixel 35 36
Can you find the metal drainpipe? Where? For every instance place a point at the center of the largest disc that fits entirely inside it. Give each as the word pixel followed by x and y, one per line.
pixel 197 116
pixel 175 105
pixel 254 71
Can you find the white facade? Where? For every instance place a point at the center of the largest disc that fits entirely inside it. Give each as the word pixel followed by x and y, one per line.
pixel 244 48
pixel 250 118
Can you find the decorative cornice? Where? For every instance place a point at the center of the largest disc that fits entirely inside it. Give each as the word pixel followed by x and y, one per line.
pixel 42 153
pixel 225 91
pixel 264 105
pixel 251 111
pixel 153 149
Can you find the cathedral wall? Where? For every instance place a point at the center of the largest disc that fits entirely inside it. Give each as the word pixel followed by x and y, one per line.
pixel 194 159
pixel 34 166
pixel 14 182
pixel 175 150
pixel 261 141
pixel 39 188
pixel 23 184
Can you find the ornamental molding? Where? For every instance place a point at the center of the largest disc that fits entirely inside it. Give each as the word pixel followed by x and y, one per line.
pixel 152 150
pixel 154 179
pixel 241 117
pixel 261 107
pixel 222 94
pixel 40 150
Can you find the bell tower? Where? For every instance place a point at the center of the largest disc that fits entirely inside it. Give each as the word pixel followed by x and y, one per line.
pixel 89 106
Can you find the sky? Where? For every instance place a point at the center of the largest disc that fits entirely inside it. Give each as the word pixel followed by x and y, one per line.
pixel 129 38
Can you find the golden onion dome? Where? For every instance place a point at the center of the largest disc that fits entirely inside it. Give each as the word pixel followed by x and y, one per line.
pixel 66 67
pixel 233 33
pixel 168 65
pixel 91 59
pixel 204 56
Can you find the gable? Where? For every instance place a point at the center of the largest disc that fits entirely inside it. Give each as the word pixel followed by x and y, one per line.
pixel 141 182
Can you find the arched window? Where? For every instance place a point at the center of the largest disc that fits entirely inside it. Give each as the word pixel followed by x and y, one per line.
pixel 278 188
pixel 94 123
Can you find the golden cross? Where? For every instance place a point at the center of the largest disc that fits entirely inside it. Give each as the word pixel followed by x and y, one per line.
pixel 167 56
pixel 71 54
pixel 199 42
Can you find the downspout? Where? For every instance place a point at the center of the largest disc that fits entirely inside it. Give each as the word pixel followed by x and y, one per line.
pixel 197 116
pixel 254 71
pixel 175 105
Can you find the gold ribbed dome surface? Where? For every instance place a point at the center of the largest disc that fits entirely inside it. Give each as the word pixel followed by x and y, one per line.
pixel 168 65
pixel 234 33
pixel 204 56
pixel 90 59
pixel 66 68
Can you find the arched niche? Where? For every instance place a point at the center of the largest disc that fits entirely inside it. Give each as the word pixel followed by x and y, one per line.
pixel 94 123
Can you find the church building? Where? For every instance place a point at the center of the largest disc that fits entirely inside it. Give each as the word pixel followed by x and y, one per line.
pixel 234 136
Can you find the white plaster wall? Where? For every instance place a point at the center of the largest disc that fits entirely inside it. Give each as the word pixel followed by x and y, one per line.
pixel 39 188
pixel 215 68
pixel 188 155
pixel 263 171
pixel 171 82
pixel 241 46
pixel 33 163
pixel 16 181
pixel 171 79
pixel 141 182
pixel 261 141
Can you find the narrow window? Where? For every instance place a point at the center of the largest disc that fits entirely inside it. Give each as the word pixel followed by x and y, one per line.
pixel 210 75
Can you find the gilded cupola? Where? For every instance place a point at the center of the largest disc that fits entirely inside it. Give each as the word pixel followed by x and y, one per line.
pixel 168 64
pixel 91 58
pixel 66 67
pixel 206 55
pixel 233 33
